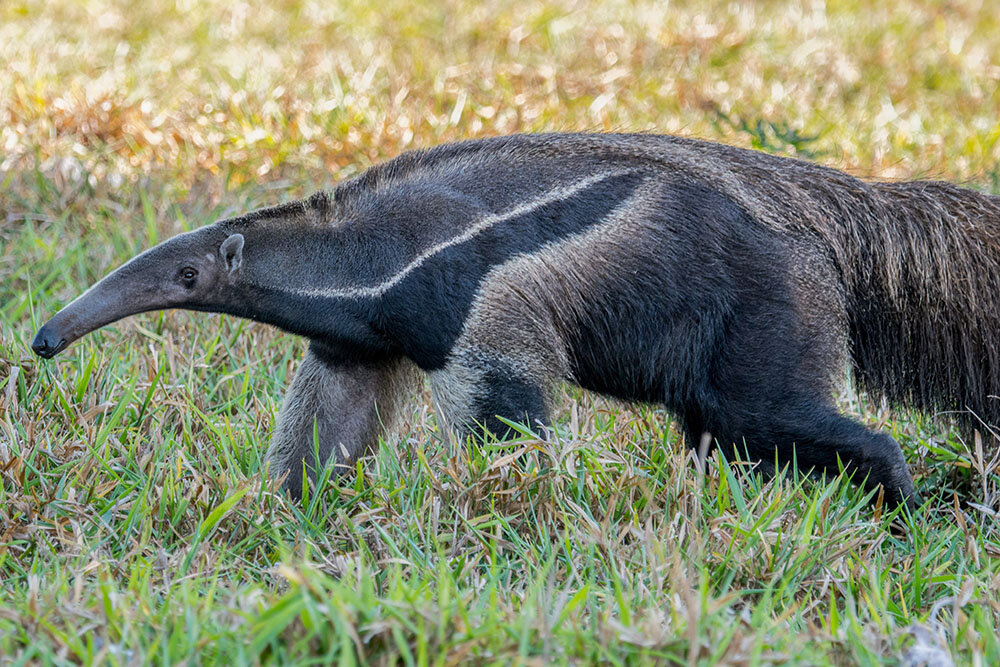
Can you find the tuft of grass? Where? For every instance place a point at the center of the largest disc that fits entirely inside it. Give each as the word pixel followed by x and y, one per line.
pixel 136 524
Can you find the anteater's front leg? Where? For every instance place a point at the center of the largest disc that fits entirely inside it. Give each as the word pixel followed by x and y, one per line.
pixel 334 413
pixel 473 394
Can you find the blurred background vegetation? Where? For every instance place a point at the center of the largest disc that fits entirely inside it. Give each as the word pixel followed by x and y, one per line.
pixel 133 523
pixel 249 91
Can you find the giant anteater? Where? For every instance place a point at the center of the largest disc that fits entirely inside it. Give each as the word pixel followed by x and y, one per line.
pixel 728 285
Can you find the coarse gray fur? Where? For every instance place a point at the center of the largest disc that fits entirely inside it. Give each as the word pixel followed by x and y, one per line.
pixel 730 285
pixel 334 418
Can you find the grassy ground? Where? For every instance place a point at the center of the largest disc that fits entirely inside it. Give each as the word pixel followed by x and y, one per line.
pixel 134 524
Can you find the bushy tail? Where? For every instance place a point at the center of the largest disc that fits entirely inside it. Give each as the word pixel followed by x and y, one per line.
pixel 923 297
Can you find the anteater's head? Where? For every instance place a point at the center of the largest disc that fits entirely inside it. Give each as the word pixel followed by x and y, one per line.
pixel 195 270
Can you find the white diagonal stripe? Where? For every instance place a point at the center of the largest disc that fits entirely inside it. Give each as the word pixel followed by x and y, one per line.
pixel 472 231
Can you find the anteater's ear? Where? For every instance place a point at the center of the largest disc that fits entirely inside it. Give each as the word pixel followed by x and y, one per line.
pixel 231 251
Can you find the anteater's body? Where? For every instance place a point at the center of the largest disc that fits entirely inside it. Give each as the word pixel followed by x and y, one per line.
pixel 729 285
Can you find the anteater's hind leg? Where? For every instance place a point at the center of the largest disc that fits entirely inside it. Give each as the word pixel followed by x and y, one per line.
pixel 819 439
pixel 335 412
pixel 769 388
pixel 782 405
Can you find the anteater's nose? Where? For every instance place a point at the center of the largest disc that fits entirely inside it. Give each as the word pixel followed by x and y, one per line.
pixel 46 344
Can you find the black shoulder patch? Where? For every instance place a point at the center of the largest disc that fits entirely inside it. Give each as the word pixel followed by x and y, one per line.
pixel 425 312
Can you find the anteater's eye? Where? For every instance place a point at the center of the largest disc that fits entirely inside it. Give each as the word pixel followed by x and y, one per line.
pixel 188 275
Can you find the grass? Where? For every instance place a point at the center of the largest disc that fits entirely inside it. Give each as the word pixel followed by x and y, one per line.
pixel 135 524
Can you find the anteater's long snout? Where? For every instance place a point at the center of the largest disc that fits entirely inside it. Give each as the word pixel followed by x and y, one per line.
pixel 87 313
pixel 48 343
pixel 106 302
pixel 142 284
